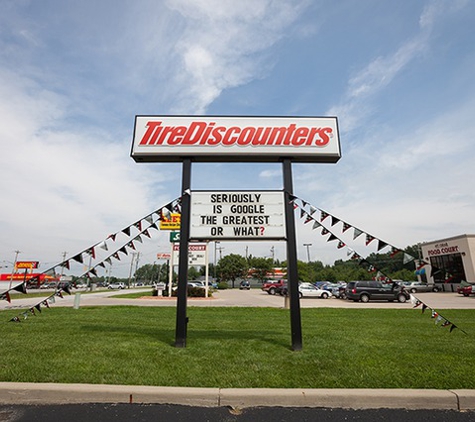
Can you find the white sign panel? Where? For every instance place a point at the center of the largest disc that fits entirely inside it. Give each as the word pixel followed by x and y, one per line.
pixel 196 254
pixel 237 215
pixel 244 139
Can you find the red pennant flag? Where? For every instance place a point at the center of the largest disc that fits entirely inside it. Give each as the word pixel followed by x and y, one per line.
pixel 340 245
pixel 112 236
pixel 346 226
pixel 323 215
pixel 369 239
pixel 138 225
pixel 394 251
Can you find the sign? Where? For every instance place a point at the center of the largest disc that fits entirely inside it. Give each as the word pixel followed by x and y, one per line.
pixel 164 255
pixel 174 237
pixel 243 139
pixel 237 215
pixel 26 265
pixel 196 254
pixel 171 223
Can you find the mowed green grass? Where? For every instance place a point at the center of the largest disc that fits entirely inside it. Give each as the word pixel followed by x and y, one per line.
pixel 239 347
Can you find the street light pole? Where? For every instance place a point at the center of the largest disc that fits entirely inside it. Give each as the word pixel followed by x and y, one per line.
pixel 307 245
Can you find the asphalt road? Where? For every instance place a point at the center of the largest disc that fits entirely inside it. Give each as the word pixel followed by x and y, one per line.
pixel 178 413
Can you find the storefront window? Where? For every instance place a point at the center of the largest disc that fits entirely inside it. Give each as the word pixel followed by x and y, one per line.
pixel 447 268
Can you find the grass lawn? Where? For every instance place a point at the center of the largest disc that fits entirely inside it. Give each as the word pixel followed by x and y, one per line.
pixel 239 347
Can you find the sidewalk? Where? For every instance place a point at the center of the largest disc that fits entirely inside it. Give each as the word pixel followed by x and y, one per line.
pixel 45 394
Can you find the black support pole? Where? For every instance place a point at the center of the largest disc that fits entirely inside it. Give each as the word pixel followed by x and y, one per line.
pixel 181 318
pixel 292 272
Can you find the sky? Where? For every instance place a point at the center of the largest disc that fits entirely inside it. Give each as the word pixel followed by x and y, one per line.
pixel 73 76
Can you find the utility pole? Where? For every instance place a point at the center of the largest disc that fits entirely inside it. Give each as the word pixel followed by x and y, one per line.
pixel 308 250
pixel 130 272
pixel 136 267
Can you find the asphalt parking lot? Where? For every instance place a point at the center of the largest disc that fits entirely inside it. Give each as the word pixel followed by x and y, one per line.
pixel 240 298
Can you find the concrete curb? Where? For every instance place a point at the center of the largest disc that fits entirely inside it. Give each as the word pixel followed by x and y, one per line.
pixel 45 393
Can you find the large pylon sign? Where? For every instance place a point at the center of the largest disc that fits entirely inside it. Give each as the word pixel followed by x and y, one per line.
pixel 238 139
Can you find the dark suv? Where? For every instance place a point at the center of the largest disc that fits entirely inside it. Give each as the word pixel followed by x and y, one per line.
pixel 375 290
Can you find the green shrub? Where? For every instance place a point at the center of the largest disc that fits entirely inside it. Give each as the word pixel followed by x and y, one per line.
pixel 222 285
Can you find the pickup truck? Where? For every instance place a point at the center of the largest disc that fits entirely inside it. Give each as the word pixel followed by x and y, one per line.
pixel 272 286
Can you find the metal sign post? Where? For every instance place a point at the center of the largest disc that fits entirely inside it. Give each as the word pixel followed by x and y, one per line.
pixel 181 318
pixel 292 273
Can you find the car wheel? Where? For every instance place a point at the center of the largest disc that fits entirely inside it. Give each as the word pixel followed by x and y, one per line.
pixel 271 291
pixel 324 295
pixel 364 298
pixel 402 299
pixel 413 290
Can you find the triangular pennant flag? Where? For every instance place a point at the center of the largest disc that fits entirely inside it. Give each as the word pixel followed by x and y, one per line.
pixel 20 288
pixel 340 245
pixel 146 233
pixel 123 250
pixel 126 231
pixel 369 239
pixel 304 204
pixel 381 245
pixel 438 319
pixel 323 215
pixel 302 212
pixel 453 327
pixel 116 256
pixel 6 296
pixel 38 307
pixel 67 289
pixel 78 258
pixel 349 251
pixel 334 220
pixel 394 251
pixel 103 245
pixel 355 256
pixel 52 299
pixel 357 233
pixel 332 237
pixel 91 252
pixel 153 226
pixel 131 245
pixel 108 260
pixel 424 307
pixel 324 231
pixel 446 323
pixel 316 224
pixel 308 219
pixel 15 319
pixel 138 225
pixel 112 236
pixel 292 198
pixel 101 264
pixel 407 258
pixel 58 293
pixel 149 219
pixel 45 302
pixel 346 226
pixel 93 272
pixel 434 314
pixel 313 210
pixel 138 238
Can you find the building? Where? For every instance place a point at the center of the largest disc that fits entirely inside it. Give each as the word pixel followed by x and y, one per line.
pixel 451 260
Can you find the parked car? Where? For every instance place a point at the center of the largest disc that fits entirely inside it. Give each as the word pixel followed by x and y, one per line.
pixel 245 285
pixel 365 291
pixel 417 287
pixel 307 290
pixel 334 288
pixel 273 287
pixel 468 290
pixel 116 286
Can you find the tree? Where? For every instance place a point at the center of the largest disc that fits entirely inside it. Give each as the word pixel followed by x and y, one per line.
pixel 231 267
pixel 260 267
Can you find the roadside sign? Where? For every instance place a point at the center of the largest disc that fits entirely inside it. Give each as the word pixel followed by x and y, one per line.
pixel 174 237
pixel 238 215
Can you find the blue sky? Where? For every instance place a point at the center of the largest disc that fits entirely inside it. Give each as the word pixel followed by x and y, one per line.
pixel 398 75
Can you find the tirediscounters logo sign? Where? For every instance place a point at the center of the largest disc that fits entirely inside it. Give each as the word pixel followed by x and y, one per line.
pixel 244 139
